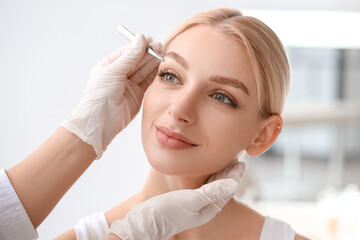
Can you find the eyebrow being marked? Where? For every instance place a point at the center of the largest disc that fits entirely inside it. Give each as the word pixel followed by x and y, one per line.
pixel 179 59
pixel 230 81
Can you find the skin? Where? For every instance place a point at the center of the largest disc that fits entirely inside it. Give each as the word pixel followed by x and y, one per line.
pixel 189 103
pixel 59 162
pixel 192 109
pixel 186 101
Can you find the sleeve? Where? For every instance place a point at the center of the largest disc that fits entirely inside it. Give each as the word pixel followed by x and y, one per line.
pixel 14 221
pixel 92 227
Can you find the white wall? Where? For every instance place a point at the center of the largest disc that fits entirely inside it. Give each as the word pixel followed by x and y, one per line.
pixel 47 49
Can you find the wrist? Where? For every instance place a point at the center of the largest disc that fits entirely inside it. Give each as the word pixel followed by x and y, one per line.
pixel 45 176
pixel 76 144
pixel 77 137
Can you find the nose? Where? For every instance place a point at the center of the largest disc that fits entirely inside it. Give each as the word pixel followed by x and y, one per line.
pixel 183 108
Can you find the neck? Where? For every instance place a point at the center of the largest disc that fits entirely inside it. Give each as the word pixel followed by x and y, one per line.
pixel 158 183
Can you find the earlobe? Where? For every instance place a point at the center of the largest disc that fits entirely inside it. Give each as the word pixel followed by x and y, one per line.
pixel 270 130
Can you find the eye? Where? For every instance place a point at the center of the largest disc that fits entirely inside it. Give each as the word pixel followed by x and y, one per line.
pixel 221 98
pixel 225 98
pixel 168 76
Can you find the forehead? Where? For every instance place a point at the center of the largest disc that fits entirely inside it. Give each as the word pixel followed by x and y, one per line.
pixel 211 52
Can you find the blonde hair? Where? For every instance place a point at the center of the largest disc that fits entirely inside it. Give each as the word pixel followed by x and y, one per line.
pixel 266 53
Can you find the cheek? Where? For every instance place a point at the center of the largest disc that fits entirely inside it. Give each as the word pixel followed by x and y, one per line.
pixel 228 139
pixel 153 102
pixel 154 108
pixel 224 136
pixel 147 118
pixel 149 111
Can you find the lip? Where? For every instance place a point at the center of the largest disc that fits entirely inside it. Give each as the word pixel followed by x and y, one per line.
pixel 172 139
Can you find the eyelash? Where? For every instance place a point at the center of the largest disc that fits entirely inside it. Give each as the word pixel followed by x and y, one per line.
pixel 163 73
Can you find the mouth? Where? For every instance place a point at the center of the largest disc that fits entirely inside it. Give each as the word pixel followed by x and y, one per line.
pixel 173 140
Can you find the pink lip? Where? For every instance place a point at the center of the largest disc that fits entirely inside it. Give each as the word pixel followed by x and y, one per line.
pixel 172 139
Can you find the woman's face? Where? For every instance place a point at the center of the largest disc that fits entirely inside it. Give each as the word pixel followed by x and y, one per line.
pixel 201 111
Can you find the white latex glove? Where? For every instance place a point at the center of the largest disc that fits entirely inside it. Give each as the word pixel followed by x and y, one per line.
pixel 168 214
pixel 114 94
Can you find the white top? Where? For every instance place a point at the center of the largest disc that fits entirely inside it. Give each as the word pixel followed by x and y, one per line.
pixel 14 221
pixel 274 229
pixel 94 226
pixel 16 224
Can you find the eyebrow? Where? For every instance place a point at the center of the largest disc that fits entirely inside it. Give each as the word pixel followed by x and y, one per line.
pixel 217 79
pixel 230 81
pixel 179 59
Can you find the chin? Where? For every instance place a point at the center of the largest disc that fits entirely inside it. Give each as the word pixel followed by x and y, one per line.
pixel 171 166
pixel 180 164
pixel 167 170
pixel 188 162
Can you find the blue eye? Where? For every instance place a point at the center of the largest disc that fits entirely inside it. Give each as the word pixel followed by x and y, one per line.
pixel 223 97
pixel 169 77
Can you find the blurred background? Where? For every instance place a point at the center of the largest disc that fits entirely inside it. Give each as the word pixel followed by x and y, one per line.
pixel 309 177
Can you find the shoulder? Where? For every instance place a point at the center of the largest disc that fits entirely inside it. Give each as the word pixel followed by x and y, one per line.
pixel 248 211
pixel 252 221
pixel 259 220
pixel 244 221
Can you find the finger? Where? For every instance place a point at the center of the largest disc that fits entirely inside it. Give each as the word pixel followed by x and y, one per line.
pixel 147 57
pixel 221 174
pixel 116 54
pixel 113 56
pixel 219 189
pixel 149 79
pixel 131 56
pixel 143 72
pixel 217 193
pixel 149 39
pixel 210 210
pixel 221 202
pixel 111 236
pixel 158 47
pixel 236 171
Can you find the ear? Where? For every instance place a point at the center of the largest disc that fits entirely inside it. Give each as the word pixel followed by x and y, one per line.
pixel 269 131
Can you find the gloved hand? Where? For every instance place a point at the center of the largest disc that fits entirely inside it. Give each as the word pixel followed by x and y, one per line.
pixel 168 214
pixel 114 94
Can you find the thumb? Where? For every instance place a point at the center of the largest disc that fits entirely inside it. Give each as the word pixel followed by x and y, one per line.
pixel 131 56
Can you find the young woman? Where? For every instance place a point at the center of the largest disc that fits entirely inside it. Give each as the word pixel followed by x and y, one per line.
pixel 219 94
